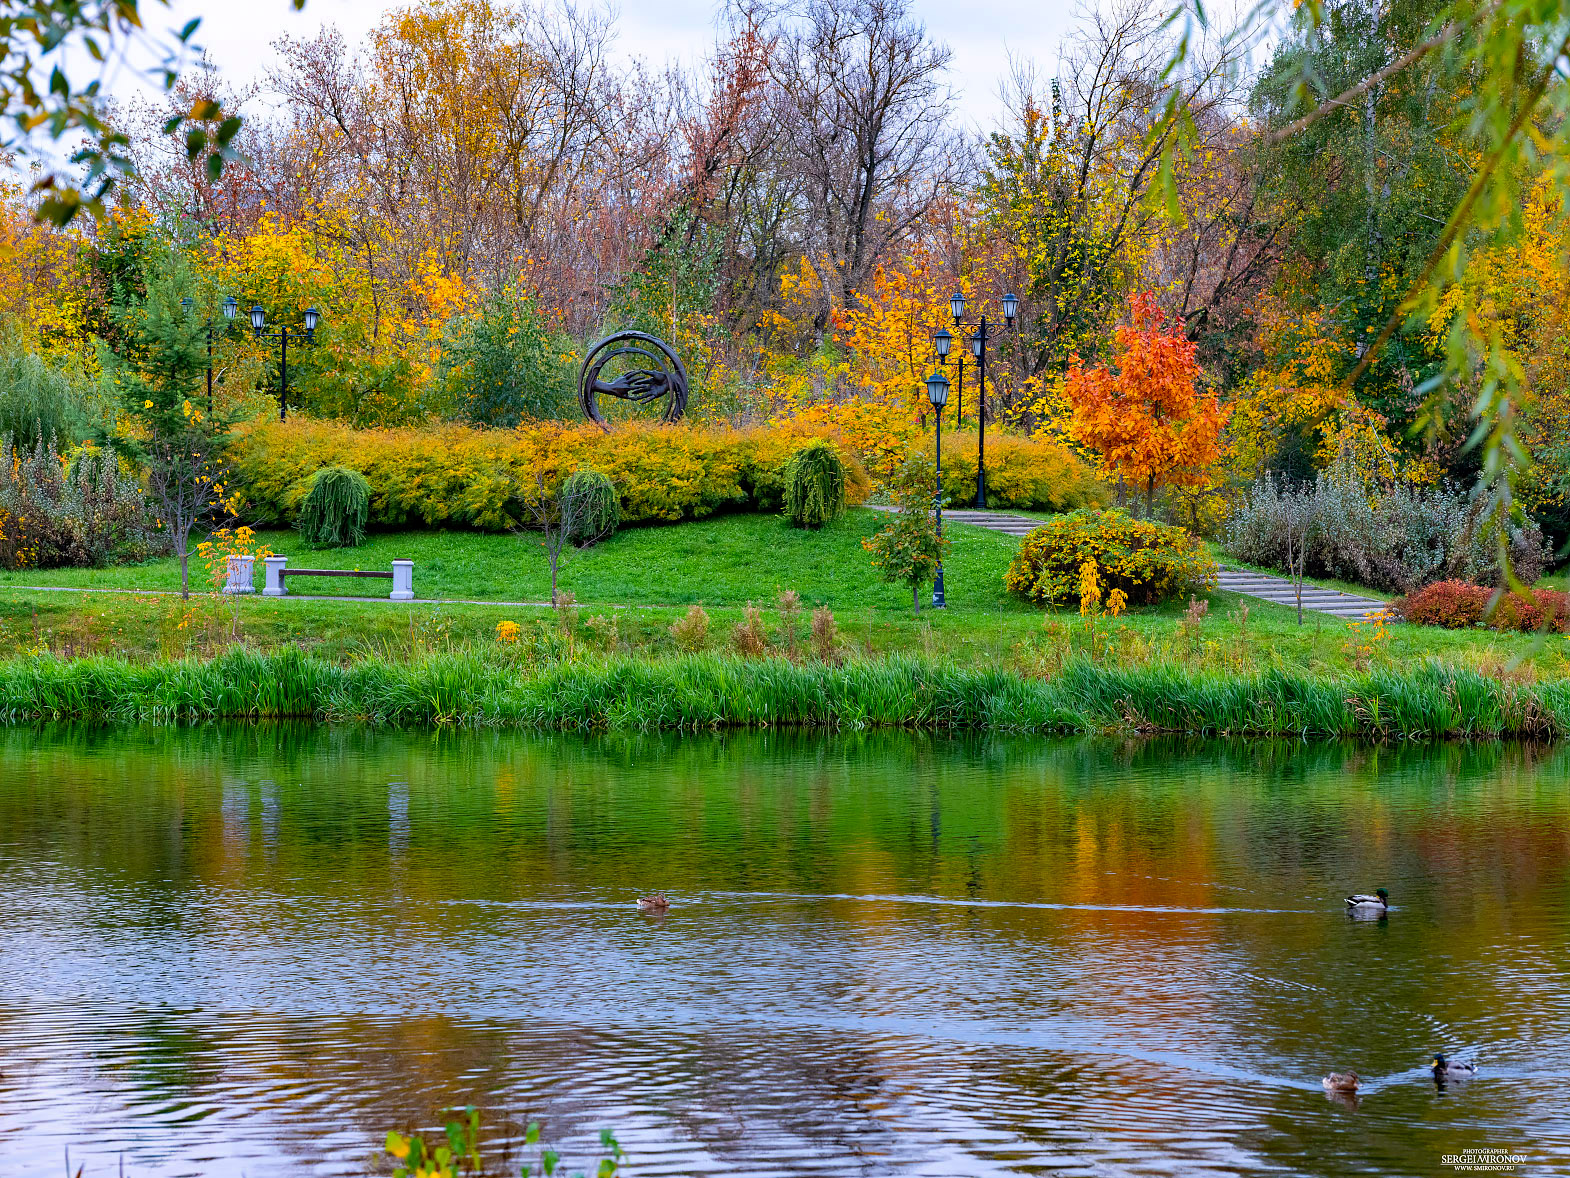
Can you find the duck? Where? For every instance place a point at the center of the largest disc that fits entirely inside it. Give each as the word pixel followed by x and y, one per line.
pixel 1379 902
pixel 1345 1082
pixel 1450 1069
pixel 655 903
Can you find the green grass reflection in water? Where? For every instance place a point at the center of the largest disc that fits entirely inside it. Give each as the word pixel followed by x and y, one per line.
pixel 254 949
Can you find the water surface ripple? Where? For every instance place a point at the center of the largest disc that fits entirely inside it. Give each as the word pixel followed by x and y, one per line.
pixel 252 951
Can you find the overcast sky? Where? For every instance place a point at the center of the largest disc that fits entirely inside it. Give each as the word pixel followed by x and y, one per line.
pixel 238 35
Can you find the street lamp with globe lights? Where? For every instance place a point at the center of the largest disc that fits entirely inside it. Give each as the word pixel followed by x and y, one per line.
pixel 942 344
pixel 938 394
pixel 311 318
pixel 979 339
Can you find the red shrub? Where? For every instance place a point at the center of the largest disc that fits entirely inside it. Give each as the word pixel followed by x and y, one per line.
pixel 1455 605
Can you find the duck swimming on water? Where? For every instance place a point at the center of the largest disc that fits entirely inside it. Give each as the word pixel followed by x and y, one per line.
pixel 1377 904
pixel 1448 1069
pixel 655 903
pixel 1343 1082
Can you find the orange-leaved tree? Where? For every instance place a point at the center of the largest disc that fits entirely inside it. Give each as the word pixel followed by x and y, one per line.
pixel 1147 421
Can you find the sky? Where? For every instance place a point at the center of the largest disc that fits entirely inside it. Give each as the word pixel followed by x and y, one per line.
pixel 238 35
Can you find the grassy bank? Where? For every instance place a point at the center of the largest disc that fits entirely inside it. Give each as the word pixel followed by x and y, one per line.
pixel 726 561
pixel 1428 701
pixel 644 580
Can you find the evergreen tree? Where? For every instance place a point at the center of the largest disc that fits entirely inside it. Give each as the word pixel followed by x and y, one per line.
pixel 158 372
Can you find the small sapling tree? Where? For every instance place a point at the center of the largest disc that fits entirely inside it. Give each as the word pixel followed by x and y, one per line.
pixel 572 514
pixel 909 548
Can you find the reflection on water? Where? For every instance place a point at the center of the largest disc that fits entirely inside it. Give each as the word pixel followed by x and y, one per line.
pixel 254 950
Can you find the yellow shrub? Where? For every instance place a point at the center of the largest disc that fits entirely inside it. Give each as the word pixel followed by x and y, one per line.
pixel 879 435
pixel 1034 474
pixel 457 476
pixel 1141 560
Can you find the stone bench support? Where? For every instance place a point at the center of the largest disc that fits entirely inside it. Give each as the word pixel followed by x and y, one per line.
pixel 403 581
pixel 275 566
pixel 242 574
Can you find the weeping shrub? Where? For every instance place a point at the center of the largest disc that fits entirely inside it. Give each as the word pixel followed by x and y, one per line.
pixel 814 485
pixel 591 509
pixel 334 512
pixel 40 402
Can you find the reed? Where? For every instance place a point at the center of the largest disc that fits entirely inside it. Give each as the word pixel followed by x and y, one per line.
pixel 1428 701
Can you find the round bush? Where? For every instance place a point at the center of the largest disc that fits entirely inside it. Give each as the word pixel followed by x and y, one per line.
pixel 814 485
pixel 590 507
pixel 1149 562
pixel 334 512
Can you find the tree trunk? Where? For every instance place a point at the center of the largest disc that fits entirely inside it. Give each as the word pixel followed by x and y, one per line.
pixel 185 576
pixel 915 598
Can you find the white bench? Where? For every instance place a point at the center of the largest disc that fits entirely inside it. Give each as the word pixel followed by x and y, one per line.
pixel 278 570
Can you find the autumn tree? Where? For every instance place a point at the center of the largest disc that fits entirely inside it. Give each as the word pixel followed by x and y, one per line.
pixel 862 105
pixel 1068 176
pixel 1147 420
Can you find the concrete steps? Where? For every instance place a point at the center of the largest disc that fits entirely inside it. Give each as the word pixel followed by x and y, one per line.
pixel 996 521
pixel 1279 591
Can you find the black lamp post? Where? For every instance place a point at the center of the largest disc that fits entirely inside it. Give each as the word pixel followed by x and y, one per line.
pixel 978 348
pixel 938 394
pixel 258 322
pixel 229 304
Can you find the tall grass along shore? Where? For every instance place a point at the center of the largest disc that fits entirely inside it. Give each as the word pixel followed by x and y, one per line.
pixel 1430 700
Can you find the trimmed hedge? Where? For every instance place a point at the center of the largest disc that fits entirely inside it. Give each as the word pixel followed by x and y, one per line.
pixel 1031 474
pixel 459 476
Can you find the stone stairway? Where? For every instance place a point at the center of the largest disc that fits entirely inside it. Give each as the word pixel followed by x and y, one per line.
pixel 997 521
pixel 1279 590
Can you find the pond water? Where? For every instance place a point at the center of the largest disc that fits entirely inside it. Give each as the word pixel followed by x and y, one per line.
pixel 253 950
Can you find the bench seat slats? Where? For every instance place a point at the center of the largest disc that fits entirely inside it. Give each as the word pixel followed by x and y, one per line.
pixel 332 573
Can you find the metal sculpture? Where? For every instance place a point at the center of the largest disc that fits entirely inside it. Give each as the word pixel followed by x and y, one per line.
pixel 663 378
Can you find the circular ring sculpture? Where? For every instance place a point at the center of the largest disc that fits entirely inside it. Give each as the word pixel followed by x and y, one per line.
pixel 663 378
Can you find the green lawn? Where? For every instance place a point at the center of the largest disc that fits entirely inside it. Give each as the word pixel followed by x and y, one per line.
pixel 730 560
pixel 722 563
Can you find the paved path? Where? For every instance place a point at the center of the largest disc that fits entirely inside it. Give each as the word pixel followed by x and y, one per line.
pixel 1261 585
